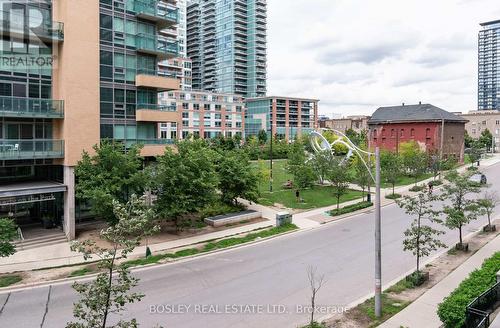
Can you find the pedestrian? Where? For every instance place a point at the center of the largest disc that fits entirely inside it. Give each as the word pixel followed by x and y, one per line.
pixel 431 186
pixel 297 195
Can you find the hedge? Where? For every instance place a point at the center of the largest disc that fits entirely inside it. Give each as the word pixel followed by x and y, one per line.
pixel 350 208
pixel 452 310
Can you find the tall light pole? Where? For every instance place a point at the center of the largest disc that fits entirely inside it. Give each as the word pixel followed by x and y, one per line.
pixel 319 143
pixel 271 161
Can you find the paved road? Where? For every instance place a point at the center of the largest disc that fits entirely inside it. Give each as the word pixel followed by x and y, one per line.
pixel 269 273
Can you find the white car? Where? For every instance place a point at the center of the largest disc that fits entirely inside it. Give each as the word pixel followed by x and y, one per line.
pixel 478 178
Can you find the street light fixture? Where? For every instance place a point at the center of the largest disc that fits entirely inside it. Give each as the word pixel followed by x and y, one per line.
pixel 319 144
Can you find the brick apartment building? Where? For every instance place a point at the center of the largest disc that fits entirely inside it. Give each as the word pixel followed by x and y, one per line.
pixel 433 128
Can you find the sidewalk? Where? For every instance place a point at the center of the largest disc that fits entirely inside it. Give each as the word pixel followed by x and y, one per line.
pixel 422 312
pixel 60 254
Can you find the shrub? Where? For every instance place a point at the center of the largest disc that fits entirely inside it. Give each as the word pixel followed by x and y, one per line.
pixel 452 310
pixel 417 188
pixel 437 183
pixel 350 208
pixel 393 196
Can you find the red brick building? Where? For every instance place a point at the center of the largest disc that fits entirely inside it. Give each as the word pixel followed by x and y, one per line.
pixel 433 128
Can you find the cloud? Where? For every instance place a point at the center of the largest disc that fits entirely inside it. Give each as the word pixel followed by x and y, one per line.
pixel 358 55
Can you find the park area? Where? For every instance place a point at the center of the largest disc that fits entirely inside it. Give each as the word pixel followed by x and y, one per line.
pixel 314 197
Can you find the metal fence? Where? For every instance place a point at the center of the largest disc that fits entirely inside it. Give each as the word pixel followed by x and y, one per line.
pixel 478 311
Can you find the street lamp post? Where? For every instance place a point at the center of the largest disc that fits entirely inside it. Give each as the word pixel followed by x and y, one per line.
pixel 319 143
pixel 271 162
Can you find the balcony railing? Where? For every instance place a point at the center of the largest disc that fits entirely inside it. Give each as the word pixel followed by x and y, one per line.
pixel 47 31
pixel 149 43
pixel 149 9
pixel 163 108
pixel 15 149
pixel 29 107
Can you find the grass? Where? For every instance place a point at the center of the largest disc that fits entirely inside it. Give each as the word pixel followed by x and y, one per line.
pixel 10 280
pixel 405 180
pixel 400 286
pixel 314 325
pixel 80 272
pixel 390 306
pixel 220 244
pixel 350 208
pixel 393 196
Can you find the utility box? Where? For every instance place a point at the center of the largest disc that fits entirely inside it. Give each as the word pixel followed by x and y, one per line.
pixel 283 218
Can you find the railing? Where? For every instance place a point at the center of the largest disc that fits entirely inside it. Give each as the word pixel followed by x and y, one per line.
pixel 48 29
pixel 11 149
pixel 163 108
pixel 151 8
pixel 130 143
pixel 150 42
pixel 478 311
pixel 29 107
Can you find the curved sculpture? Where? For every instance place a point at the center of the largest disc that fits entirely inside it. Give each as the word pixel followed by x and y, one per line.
pixel 319 144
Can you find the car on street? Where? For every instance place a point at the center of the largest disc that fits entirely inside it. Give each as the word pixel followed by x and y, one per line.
pixel 478 178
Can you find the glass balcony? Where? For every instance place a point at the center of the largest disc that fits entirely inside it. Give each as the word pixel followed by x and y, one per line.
pixel 16 149
pixel 163 108
pixel 149 10
pixel 163 49
pixel 30 107
pixel 47 31
pixel 155 141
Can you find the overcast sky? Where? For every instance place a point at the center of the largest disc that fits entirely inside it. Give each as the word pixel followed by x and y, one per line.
pixel 358 55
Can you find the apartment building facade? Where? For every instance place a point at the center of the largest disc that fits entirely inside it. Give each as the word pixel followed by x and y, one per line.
pixel 358 123
pixel 488 70
pixel 284 117
pixel 203 114
pixel 226 41
pixel 478 121
pixel 87 72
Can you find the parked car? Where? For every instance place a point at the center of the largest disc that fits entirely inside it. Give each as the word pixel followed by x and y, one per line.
pixel 478 178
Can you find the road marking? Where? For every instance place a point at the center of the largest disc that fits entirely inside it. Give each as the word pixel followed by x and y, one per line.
pixel 46 307
pixel 5 303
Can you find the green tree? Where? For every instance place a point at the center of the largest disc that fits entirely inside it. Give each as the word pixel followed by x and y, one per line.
pixel 185 181
pixel 8 233
pixel 486 139
pixel 468 140
pixel 361 175
pixel 475 152
pixel 487 205
pixel 111 173
pixel 413 159
pixel 237 177
pixel 461 209
pixel 299 166
pixel 420 239
pixel 262 137
pixel 321 162
pixel 390 168
pixel 110 292
pixel 339 177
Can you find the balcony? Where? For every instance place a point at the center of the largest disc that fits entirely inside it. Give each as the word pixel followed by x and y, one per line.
pixel 149 10
pixel 149 44
pixel 48 31
pixel 157 113
pixel 18 149
pixel 152 80
pixel 32 108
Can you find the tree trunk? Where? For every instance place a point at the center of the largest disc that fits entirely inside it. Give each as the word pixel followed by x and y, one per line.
pixel 418 245
pixel 313 301
pixel 460 234
pixel 338 202
pixel 393 187
pixel 489 219
pixel 108 292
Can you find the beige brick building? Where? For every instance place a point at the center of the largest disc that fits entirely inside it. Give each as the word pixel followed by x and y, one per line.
pixel 356 122
pixel 482 120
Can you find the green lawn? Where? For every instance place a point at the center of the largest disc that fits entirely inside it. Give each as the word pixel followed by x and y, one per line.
pixel 313 198
pixel 9 280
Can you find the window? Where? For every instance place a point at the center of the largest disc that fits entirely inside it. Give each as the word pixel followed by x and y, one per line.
pixel 427 133
pixel 402 133
pixel 218 107
pixel 393 133
pixel 206 107
pixel 185 115
pixel 196 106
pixel 185 123
pixel 412 132
pixel 497 122
pixel 185 106
pixel 383 132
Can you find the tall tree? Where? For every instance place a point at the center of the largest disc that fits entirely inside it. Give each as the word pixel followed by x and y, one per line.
pixel 185 182
pixel 237 177
pixel 339 177
pixel 420 239
pixel 262 137
pixel 8 233
pixel 461 209
pixel 111 173
pixel 362 176
pixel 110 292
pixel 414 160
pixel 487 205
pixel 390 168
pixel 321 163
pixel 316 281
pixel 486 139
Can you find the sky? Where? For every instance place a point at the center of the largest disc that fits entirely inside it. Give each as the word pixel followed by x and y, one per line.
pixel 358 55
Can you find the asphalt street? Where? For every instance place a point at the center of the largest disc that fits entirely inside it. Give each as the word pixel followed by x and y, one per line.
pixel 260 285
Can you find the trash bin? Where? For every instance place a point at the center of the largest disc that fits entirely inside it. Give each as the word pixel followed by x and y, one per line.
pixel 283 218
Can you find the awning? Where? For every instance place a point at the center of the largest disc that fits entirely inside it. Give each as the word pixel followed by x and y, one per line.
pixel 30 188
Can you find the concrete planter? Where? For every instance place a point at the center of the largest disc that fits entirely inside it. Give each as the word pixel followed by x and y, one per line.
pixel 488 228
pixel 462 247
pixel 418 280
